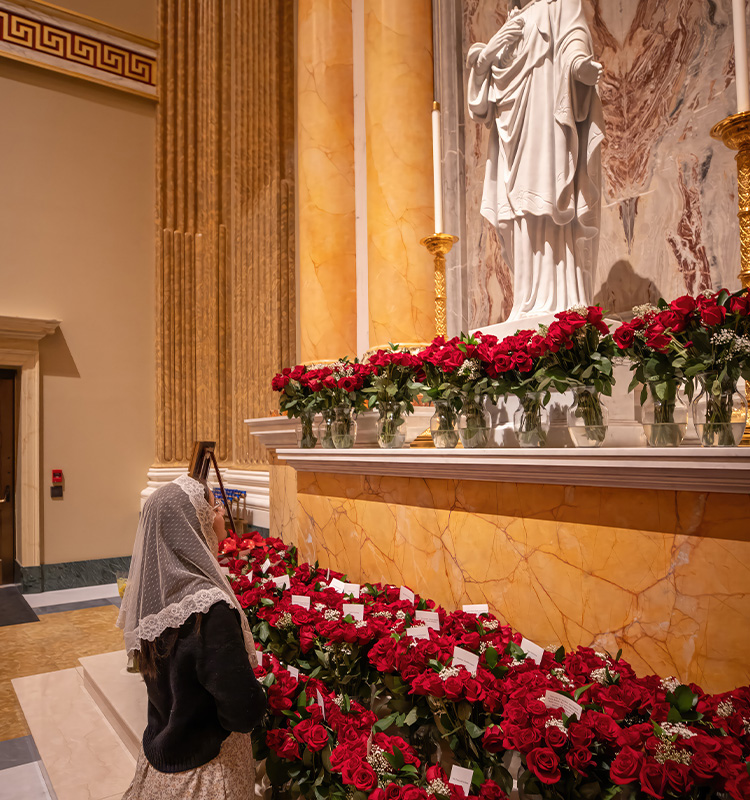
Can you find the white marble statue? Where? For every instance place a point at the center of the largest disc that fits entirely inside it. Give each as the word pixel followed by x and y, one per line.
pixel 534 85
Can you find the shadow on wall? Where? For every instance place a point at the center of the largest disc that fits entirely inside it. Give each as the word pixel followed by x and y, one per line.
pixel 55 357
pixel 624 288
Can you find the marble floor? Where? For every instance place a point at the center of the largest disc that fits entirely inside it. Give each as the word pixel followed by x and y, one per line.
pixel 72 625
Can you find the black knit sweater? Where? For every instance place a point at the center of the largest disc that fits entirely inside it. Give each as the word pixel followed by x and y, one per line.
pixel 202 691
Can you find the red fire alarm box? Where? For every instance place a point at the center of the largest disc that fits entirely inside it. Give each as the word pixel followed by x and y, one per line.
pixel 57 476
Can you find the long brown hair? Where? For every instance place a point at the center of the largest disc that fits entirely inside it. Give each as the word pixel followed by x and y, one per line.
pixel 152 653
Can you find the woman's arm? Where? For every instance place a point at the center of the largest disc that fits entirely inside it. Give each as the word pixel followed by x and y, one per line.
pixel 224 670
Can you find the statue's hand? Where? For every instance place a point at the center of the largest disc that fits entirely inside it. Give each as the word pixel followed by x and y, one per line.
pixel 502 41
pixel 587 71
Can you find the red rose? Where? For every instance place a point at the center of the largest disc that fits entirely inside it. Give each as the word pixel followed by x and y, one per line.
pixel 364 777
pixel 555 737
pixel 413 793
pixel 306 638
pixel 740 305
pixel 283 744
pixel 378 794
pixel 317 738
pixel 653 778
pixel 738 785
pixel 657 341
pixel 392 792
pixel 579 759
pixel 545 764
pixel 684 305
pixel 678 778
pixel 454 687
pixel 713 315
pixel 704 767
pixel 428 683
pixel 522 361
pixel 492 740
pixel 527 739
pixel 489 790
pixel 624 336
pixel 580 735
pixel 626 766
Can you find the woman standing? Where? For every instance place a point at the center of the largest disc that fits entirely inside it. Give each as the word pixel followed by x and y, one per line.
pixel 196 654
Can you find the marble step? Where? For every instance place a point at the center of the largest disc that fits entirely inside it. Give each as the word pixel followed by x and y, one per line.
pixel 84 756
pixel 119 694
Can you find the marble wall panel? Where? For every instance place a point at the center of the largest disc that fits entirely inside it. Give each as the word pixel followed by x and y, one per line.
pixel 669 194
pixel 664 575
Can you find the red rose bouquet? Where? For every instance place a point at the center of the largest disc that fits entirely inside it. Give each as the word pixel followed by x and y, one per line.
pixel 714 331
pixel 299 398
pixel 579 354
pixel 393 388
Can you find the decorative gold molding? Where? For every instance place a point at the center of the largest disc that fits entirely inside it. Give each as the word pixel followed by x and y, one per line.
pixel 46 36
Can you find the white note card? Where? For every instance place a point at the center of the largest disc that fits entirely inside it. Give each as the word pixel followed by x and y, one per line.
pixel 293 671
pixel 352 589
pixel 419 632
pixel 460 776
pixel 225 570
pixel 250 576
pixel 355 610
pixel 463 658
pixel 245 552
pixel 301 600
pixel 557 700
pixel 321 704
pixel 406 594
pixel 478 608
pixel 259 656
pixel 264 566
pixel 533 651
pixel 282 582
pixel 337 585
pixel 430 618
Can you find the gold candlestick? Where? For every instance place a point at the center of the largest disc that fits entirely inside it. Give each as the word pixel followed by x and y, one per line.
pixel 734 131
pixel 439 244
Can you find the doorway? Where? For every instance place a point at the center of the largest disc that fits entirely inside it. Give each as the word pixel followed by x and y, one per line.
pixel 7 474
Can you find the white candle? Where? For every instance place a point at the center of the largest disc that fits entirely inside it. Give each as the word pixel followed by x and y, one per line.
pixel 740 56
pixel 437 167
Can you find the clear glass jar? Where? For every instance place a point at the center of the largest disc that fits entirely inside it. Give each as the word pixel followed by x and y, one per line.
pixel 531 420
pixel 664 414
pixel 324 428
pixel 306 432
pixel 719 411
pixel 344 427
pixel 443 425
pixel 588 417
pixel 474 422
pixel 391 425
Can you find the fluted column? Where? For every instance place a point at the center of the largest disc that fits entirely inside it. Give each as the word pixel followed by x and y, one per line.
pixel 398 101
pixel 325 157
pixel 225 217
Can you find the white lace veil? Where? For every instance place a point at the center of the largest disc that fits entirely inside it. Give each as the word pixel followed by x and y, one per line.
pixel 174 572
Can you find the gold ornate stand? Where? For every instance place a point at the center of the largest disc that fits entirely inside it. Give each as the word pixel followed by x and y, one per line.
pixel 439 244
pixel 734 131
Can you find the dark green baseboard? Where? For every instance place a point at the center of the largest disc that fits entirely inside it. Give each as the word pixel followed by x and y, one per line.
pixel 70 574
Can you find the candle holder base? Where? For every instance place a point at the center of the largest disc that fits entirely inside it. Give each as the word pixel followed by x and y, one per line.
pixel 438 245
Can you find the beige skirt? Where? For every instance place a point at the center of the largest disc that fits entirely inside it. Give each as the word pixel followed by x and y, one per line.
pixel 229 776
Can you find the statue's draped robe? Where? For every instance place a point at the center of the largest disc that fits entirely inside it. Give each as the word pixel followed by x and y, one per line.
pixel 543 175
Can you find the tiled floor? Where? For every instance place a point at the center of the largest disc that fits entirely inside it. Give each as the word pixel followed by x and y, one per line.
pixel 24 782
pixel 56 642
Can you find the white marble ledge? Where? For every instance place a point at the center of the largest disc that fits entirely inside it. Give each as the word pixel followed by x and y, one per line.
pixel 693 469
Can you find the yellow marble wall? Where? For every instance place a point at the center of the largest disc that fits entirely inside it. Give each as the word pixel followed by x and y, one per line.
pixel 398 103
pixel 325 153
pixel 664 575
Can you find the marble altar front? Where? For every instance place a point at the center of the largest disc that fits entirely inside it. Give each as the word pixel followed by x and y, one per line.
pixel 662 574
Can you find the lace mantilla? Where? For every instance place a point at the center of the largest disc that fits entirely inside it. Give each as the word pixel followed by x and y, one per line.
pixel 196 491
pixel 175 614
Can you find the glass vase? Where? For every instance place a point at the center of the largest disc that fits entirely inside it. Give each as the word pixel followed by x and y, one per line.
pixel 587 417
pixel 324 428
pixel 719 411
pixel 443 426
pixel 344 427
pixel 664 414
pixel 474 422
pixel 391 425
pixel 306 437
pixel 531 420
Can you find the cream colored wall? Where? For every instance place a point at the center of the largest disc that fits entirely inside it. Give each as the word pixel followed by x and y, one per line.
pixel 77 244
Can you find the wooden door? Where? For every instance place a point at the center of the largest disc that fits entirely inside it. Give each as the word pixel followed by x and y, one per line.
pixel 7 474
